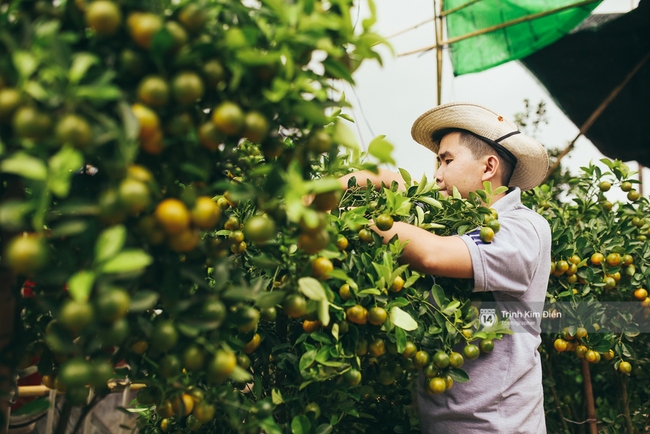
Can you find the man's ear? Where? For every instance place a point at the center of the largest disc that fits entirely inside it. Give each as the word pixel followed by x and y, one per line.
pixel 491 168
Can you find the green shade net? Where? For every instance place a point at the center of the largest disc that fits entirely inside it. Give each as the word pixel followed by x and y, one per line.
pixel 510 43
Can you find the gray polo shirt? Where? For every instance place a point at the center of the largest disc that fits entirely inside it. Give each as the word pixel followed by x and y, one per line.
pixel 504 394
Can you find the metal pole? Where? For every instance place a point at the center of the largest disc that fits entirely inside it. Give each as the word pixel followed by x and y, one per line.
pixel 50 412
pixel 5 429
pixel 87 426
pixel 125 400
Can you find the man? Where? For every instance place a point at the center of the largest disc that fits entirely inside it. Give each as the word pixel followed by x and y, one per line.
pixel 474 144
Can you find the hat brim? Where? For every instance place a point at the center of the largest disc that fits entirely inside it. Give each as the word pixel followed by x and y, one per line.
pixel 532 159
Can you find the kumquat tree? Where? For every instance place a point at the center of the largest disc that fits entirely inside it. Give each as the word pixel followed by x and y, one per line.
pixel 157 161
pixel 171 216
pixel 599 280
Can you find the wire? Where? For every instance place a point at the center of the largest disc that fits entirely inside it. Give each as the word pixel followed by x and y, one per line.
pixel 363 115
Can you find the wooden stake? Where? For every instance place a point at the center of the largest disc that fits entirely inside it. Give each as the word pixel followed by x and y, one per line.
pixel 589 395
pixel 626 404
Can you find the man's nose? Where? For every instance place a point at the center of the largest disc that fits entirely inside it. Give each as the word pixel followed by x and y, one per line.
pixel 439 176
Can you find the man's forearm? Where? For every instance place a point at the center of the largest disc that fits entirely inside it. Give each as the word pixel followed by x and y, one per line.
pixel 430 253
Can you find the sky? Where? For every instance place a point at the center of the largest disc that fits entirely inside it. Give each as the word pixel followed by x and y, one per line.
pixel 387 99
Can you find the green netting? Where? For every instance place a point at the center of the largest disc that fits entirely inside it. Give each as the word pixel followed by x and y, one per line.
pixel 510 43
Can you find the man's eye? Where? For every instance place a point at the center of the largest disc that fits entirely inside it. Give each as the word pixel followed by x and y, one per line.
pixel 447 161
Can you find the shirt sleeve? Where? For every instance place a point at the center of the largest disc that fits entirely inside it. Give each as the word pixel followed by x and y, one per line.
pixel 508 263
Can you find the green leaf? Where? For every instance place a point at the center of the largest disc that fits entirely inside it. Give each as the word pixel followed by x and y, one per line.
pixel 80 285
pixel 312 288
pixel 451 307
pixel 129 121
pixel 81 63
pixel 458 375
pixel 300 425
pixel 25 165
pixel 127 261
pixel 430 201
pixel 265 261
pixel 256 57
pixel 337 273
pixel 63 166
pixel 399 302
pixel 324 312
pixel 69 228
pixel 99 93
pixel 407 177
pixel 323 185
pixel 241 375
pixel 36 90
pixel 381 149
pixel 13 212
pixel 270 299
pixel 109 243
pixel 344 136
pixel 438 295
pixel 276 397
pixel 402 319
pixel 324 428
pixel 336 69
pixel 307 359
pixel 143 300
pixel 25 63
pixel 400 339
pixel 310 111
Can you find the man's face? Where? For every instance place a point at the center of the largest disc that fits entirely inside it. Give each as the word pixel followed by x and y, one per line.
pixel 457 167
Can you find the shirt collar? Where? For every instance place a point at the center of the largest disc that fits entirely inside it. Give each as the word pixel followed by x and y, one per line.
pixel 511 199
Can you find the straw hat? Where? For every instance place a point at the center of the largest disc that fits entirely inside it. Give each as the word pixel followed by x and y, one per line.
pixel 532 159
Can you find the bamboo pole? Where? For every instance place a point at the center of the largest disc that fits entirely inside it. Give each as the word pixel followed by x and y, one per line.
pixel 408 29
pixel 438 30
pixel 500 26
pixel 41 390
pixel 599 110
pixel 458 8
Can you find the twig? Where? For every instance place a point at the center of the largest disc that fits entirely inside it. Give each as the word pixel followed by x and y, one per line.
pixel 87 409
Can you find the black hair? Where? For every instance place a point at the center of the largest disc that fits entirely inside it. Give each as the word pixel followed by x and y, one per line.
pixel 480 147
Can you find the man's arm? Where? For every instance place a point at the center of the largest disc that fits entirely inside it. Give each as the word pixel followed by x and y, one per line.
pixel 430 253
pixel 425 252
pixel 385 176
